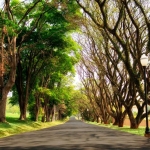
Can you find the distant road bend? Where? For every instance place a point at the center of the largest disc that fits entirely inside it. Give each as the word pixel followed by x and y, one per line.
pixel 75 135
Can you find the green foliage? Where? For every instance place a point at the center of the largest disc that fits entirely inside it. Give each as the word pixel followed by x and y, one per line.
pixel 12 27
pixel 31 106
pixel 70 8
pixel 47 55
pixel 15 2
pixel 69 96
pixel 44 91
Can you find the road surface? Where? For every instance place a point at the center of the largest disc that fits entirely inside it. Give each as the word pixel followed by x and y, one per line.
pixel 75 135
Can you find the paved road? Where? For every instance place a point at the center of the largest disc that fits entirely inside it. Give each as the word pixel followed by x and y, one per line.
pixel 75 135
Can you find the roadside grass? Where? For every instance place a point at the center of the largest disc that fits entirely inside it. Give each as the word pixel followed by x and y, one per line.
pixel 140 131
pixel 15 126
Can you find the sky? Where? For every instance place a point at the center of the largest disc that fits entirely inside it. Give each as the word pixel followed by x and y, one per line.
pixel 1 3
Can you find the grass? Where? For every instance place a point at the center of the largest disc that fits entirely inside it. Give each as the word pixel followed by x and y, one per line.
pixel 140 131
pixel 15 126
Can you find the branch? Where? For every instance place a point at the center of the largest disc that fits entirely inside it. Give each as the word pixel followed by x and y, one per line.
pixel 28 11
pixel 91 16
pixel 119 18
pixel 7 4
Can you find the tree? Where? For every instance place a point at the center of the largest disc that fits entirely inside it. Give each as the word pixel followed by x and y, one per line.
pixel 40 52
pixel 121 23
pixel 35 19
pixel 13 26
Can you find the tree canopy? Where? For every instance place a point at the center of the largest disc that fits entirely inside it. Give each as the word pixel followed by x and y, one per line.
pixel 42 42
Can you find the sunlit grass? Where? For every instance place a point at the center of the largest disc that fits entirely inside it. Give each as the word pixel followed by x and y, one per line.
pixel 140 131
pixel 15 126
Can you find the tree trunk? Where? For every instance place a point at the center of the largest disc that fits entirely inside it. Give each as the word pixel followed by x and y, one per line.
pixel 22 113
pixel 43 118
pixel 21 104
pixel 23 96
pixel 46 111
pixel 47 117
pixel 120 123
pixel 26 97
pixel 11 79
pixel 59 115
pixel 23 108
pixel 3 107
pixel 105 121
pixel 133 122
pixel 116 122
pixel 105 117
pixel 1 69
pixel 36 114
pixel 119 120
pixel 2 96
pixel 97 119
pixel 53 113
pixel 37 106
pixel 47 114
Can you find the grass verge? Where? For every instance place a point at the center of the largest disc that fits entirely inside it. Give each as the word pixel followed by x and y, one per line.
pixel 140 131
pixel 15 126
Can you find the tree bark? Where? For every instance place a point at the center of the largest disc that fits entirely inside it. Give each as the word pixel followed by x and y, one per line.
pixel 120 123
pixel 97 119
pixel 37 106
pixel 2 99
pixel 133 122
pixel 53 113
pixel 23 92
pixel 22 111
pixel 11 79
pixel 3 107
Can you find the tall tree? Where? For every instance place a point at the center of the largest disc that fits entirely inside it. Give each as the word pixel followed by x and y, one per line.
pixel 13 27
pixel 121 23
pixel 41 51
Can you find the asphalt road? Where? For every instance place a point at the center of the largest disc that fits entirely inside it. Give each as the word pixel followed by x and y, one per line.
pixel 75 135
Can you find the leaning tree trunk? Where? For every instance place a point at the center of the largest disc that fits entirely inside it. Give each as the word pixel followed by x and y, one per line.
pixel 133 122
pixel 2 99
pixel 6 87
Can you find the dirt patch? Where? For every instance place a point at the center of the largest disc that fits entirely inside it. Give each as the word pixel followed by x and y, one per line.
pixel 142 124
